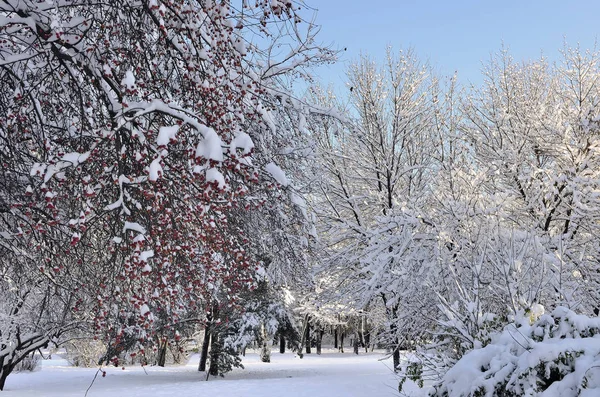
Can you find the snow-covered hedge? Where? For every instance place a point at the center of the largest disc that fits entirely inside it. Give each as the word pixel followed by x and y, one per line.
pixel 555 355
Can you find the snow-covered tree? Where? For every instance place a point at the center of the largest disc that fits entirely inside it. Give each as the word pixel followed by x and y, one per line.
pixel 516 204
pixel 376 179
pixel 145 127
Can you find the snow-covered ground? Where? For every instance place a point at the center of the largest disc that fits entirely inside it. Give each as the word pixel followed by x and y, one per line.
pixel 329 375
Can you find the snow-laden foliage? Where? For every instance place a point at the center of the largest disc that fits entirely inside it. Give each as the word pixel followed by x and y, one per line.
pixel 553 355
pixel 265 313
pixel 454 210
pixel 134 133
pixel 374 179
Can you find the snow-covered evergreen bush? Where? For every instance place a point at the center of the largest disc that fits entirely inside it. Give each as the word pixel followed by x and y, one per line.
pixel 551 356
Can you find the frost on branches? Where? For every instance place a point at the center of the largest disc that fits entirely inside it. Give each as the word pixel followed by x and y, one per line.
pixel 141 125
pixel 373 187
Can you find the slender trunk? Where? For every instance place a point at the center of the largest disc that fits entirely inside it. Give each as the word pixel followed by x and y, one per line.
pixel 281 343
pixel 335 338
pixel 265 351
pixel 303 337
pixel 396 346
pixel 396 358
pixel 355 344
pixel 342 334
pixel 308 338
pixel 205 345
pixel 392 313
pixel 319 340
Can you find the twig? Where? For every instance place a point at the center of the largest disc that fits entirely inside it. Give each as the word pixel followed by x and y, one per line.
pixel 93 380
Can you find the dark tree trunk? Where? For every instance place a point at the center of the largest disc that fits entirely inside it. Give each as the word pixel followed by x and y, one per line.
pixel 342 334
pixel 307 338
pixel 355 344
pixel 396 346
pixel 392 314
pixel 162 353
pixel 319 340
pixel 281 343
pixel 215 351
pixel 3 375
pixel 335 338
pixel 367 341
pixel 204 352
pixel 396 358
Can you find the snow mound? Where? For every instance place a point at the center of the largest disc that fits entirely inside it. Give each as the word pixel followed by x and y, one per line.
pixel 557 355
pixel 277 174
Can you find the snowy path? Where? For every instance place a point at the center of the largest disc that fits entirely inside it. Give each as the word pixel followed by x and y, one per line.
pixel 328 375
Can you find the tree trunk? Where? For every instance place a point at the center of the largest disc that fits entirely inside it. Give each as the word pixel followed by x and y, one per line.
pixel 335 338
pixel 319 340
pixel 393 330
pixel 342 334
pixel 4 372
pixel 215 351
pixel 355 344
pixel 303 337
pixel 307 338
pixel 162 353
pixel 204 352
pixel 281 343
pixel 396 358
pixel 265 350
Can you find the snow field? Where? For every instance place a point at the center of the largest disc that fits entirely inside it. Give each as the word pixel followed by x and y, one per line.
pixel 329 375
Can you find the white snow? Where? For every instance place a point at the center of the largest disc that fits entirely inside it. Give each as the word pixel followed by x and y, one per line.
pixel 37 169
pixel 155 170
pixel 75 158
pixel 144 309
pixel 134 226
pixel 277 173
pixel 329 375
pixel 166 134
pixel 241 141
pixel 128 80
pixel 144 256
pixel 211 146
pixel 213 175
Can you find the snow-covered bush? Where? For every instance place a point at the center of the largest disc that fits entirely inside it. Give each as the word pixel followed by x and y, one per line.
pixel 553 355
pixel 84 352
pixel 28 364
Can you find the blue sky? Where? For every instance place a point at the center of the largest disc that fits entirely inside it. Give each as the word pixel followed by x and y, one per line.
pixel 454 35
